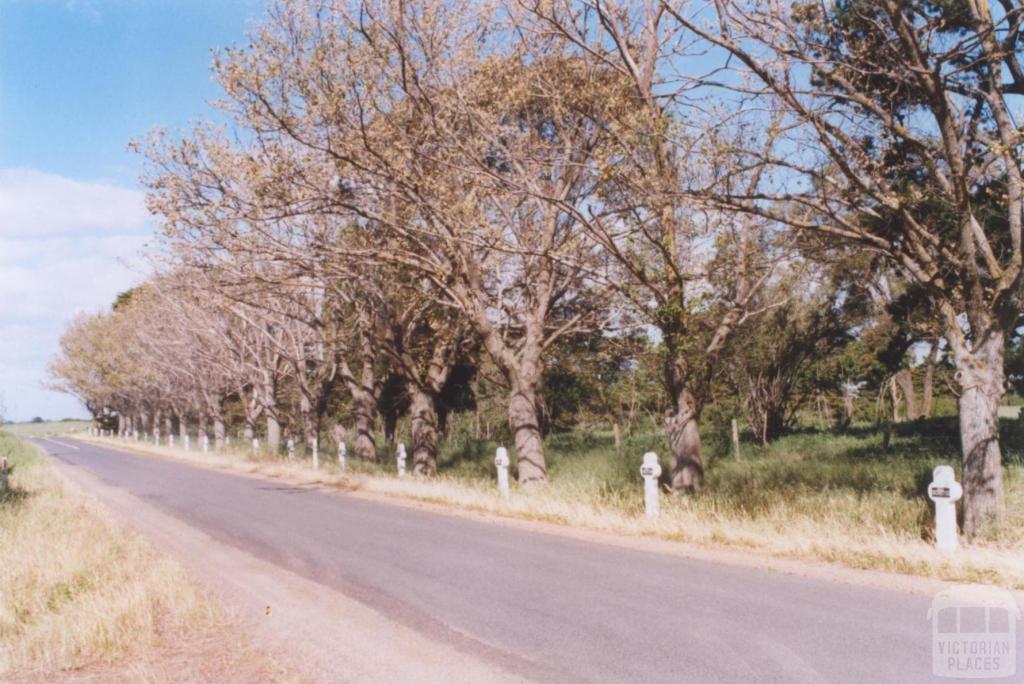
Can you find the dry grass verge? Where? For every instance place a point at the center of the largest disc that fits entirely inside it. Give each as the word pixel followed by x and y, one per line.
pixel 82 599
pixel 827 525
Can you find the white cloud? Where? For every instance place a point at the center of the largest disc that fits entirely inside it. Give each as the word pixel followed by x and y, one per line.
pixel 37 204
pixel 65 246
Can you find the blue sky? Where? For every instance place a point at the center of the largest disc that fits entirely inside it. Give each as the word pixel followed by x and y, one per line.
pixel 78 80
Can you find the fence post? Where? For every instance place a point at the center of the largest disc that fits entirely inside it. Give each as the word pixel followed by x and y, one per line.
pixel 316 453
pixel 501 461
pixel 400 457
pixel 651 471
pixel 735 439
pixel 945 491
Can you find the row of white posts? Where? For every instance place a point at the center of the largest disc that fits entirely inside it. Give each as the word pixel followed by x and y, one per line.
pixel 944 490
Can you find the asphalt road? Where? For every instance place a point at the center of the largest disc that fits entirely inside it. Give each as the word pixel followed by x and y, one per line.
pixel 547 607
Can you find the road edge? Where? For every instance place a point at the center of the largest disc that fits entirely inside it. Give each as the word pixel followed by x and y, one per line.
pixel 798 567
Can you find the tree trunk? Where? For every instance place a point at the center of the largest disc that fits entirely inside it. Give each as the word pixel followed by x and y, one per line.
pixel 366 439
pixel 906 384
pixel 424 431
pixel 308 420
pixel 683 430
pixel 929 381
pixel 981 376
pixel 273 433
pixel 218 432
pixel 774 423
pixel 894 398
pixel 524 421
pixel 268 399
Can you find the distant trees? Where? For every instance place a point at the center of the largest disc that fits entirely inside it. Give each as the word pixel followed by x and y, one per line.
pixel 560 195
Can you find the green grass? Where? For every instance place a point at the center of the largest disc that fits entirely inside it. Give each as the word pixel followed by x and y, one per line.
pixel 847 474
pixel 846 477
pixel 838 497
pixel 52 428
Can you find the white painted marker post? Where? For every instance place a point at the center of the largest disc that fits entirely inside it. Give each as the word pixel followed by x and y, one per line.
pixel 341 455
pixel 316 454
pixel 945 491
pixel 156 437
pixel 400 458
pixel 187 442
pixel 291 449
pixel 206 443
pixel 501 463
pixel 651 470
pixel 255 446
pixel 170 440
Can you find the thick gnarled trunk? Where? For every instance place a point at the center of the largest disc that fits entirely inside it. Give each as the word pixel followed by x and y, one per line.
pixel 424 431
pixel 365 407
pixel 524 421
pixel 273 433
pixel 682 426
pixel 981 376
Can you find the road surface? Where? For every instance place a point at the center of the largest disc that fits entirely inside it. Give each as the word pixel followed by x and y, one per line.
pixel 545 607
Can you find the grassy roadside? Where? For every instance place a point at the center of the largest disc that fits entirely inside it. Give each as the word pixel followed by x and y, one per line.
pixel 81 599
pixel 835 498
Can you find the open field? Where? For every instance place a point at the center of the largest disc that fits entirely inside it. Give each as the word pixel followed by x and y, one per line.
pixel 50 428
pixel 84 600
pixel 834 497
